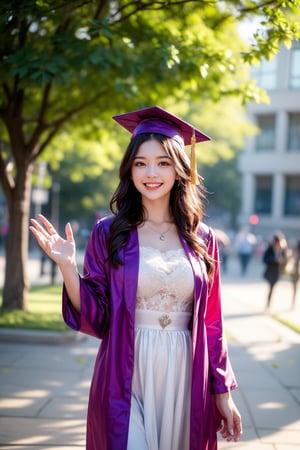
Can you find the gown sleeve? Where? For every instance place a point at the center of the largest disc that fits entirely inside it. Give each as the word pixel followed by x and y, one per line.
pixel 94 316
pixel 222 376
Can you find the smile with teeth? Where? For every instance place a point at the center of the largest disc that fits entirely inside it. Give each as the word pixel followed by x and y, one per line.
pixel 152 185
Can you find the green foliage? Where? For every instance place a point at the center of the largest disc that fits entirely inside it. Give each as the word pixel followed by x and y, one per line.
pixel 72 63
pixel 279 24
pixel 67 67
pixel 82 199
pixel 44 312
pixel 86 170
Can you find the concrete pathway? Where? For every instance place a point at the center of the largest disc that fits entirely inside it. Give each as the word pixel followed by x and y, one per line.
pixel 44 388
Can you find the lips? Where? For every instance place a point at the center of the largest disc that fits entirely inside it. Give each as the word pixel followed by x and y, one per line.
pixel 152 185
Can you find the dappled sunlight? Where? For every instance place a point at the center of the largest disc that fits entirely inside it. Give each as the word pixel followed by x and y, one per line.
pixel 22 407
pixel 84 384
pixel 54 383
pixel 14 403
pixel 34 432
pixel 18 392
pixel 36 393
pixel 268 367
pixel 269 353
pixel 34 440
pixel 65 408
pixel 74 407
pixel 272 405
pixel 88 351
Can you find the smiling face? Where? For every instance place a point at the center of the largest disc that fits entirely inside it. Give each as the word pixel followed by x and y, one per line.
pixel 153 171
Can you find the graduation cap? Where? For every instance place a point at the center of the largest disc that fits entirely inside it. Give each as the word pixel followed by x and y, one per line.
pixel 157 120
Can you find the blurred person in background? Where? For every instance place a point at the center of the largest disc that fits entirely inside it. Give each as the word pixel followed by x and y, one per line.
pixel 274 258
pixel 293 271
pixel 244 246
pixel 224 242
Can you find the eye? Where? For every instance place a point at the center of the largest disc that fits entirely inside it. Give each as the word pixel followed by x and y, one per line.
pixel 139 164
pixel 164 163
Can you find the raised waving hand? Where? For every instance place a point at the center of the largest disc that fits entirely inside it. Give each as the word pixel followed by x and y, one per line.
pixel 62 251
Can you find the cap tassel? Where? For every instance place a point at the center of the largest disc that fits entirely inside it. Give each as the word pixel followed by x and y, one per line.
pixel 194 174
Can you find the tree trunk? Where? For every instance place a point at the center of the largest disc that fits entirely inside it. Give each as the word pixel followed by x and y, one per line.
pixel 16 279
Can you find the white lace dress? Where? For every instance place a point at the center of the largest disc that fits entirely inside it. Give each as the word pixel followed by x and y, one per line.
pixel 160 408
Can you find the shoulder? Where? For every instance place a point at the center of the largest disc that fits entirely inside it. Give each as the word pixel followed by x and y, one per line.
pixel 102 227
pixel 104 222
pixel 205 233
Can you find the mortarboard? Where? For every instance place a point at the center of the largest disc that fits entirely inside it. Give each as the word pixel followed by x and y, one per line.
pixel 157 120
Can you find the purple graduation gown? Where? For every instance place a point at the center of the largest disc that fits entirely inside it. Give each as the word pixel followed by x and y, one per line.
pixel 107 312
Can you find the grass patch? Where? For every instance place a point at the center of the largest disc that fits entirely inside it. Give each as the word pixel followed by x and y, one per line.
pixel 44 311
pixel 292 325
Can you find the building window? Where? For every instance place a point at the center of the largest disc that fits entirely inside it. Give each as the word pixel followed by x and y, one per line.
pixel 294 132
pixel 295 67
pixel 292 196
pixel 265 140
pixel 263 195
pixel 266 74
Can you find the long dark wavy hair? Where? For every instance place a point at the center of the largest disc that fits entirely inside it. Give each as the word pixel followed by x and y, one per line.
pixel 186 200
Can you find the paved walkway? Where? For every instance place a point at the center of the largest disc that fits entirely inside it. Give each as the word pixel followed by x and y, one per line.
pixel 44 388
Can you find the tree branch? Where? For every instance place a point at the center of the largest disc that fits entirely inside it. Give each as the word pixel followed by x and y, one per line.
pixel 55 125
pixel 6 179
pixel 70 114
pixel 40 124
pixel 11 115
pixel 257 6
pixel 7 92
pixel 101 5
pixel 138 6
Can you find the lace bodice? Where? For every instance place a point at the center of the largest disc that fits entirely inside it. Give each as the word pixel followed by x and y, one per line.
pixel 165 281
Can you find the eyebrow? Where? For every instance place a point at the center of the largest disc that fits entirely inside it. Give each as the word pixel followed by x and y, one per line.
pixel 158 157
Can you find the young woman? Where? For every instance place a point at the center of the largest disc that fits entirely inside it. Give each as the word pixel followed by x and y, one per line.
pixel 151 292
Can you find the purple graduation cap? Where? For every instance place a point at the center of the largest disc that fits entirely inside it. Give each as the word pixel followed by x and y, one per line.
pixel 157 120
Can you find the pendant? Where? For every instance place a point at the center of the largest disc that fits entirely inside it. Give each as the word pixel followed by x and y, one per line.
pixel 162 237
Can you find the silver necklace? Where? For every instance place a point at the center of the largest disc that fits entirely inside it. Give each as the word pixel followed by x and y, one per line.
pixel 162 236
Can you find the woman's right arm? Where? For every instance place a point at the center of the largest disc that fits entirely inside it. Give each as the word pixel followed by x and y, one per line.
pixel 62 252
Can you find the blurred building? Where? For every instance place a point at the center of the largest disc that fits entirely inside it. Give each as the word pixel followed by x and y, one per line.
pixel 270 164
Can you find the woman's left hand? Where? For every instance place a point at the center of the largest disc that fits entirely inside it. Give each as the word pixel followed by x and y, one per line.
pixel 231 428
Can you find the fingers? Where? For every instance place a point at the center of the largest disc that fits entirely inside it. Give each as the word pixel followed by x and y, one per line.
pixel 36 233
pixel 231 428
pixel 48 225
pixel 69 233
pixel 45 235
pixel 237 426
pixel 226 432
pixel 234 433
pixel 40 230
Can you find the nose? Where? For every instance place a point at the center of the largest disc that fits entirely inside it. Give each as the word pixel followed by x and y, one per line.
pixel 151 171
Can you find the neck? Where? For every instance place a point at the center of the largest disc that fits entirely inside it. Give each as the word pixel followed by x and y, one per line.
pixel 158 222
pixel 158 216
